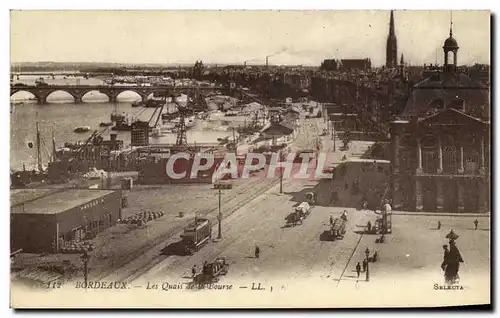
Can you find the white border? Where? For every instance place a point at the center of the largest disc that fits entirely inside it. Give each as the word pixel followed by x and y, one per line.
pixel 186 4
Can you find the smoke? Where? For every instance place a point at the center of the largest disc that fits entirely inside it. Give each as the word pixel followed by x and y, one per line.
pixel 282 50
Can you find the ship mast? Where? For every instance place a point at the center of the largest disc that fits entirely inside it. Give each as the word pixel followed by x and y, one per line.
pixel 53 146
pixel 38 150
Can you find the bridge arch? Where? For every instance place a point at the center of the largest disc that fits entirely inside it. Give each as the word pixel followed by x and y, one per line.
pixel 99 97
pixel 131 95
pixel 23 95
pixel 61 96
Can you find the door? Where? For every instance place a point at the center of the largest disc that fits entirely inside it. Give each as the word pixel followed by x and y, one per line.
pixel 429 193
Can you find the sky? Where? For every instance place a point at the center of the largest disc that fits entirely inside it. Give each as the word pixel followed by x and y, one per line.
pixel 229 37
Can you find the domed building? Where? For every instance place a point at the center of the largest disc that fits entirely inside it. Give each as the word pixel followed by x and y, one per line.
pixel 441 143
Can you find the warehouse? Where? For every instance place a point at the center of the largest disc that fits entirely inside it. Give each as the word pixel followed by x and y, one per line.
pixel 39 216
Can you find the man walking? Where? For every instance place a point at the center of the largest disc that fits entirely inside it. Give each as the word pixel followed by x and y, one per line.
pixel 365 265
pixel 358 269
pixel 193 271
pixel 257 252
pixel 476 222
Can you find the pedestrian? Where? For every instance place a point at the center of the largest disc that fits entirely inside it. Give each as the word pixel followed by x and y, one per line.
pixel 193 270
pixel 369 226
pixel 257 252
pixel 331 220
pixel 439 225
pixel 375 257
pixel 205 265
pixel 358 269
pixel 365 265
pixel 475 224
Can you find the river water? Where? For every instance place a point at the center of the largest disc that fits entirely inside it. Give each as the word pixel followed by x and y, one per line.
pixel 61 115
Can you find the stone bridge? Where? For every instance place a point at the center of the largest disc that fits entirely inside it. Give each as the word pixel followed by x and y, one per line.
pixel 79 91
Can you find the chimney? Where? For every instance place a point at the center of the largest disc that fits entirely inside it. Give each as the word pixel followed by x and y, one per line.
pixel 245 64
pixel 267 61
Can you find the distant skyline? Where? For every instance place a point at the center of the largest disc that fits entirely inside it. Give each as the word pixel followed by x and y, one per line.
pixel 228 37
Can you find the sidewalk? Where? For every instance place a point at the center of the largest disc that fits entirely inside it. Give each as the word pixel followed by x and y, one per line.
pixel 441 214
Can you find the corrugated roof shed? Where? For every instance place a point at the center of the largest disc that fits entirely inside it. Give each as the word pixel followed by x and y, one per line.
pixel 53 203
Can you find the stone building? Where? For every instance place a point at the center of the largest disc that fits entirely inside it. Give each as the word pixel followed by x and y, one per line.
pixel 441 143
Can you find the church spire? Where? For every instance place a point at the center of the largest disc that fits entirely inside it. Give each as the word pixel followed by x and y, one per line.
pixel 391 24
pixel 392 45
pixel 402 62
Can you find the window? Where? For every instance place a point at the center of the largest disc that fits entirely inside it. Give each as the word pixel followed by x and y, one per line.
pixel 429 161
pixel 449 159
pixel 471 164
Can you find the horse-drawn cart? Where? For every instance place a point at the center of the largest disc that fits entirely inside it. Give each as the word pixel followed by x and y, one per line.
pixel 297 217
pixel 337 229
pixel 212 271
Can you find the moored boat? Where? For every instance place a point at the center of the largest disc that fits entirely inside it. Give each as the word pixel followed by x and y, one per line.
pixel 106 124
pixel 82 129
pixel 137 103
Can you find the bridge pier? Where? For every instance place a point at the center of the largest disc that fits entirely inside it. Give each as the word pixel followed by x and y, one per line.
pixel 42 100
pixel 78 99
pixel 144 98
pixel 112 98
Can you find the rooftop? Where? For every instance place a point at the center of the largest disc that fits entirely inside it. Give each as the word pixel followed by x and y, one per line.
pixel 43 201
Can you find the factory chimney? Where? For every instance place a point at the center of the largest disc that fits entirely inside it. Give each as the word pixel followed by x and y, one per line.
pixel 267 61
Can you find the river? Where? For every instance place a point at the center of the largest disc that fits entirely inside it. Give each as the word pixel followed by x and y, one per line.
pixel 61 115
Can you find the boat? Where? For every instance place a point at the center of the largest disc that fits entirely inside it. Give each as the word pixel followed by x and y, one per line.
pixel 137 103
pixel 106 124
pixel 21 178
pixel 82 129
pixel 117 116
pixel 122 126
pixel 170 116
pixel 189 122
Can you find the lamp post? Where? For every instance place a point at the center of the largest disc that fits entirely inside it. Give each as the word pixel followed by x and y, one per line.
pixel 219 187
pixel 85 258
pixel 333 136
pixel 367 254
pixel 281 180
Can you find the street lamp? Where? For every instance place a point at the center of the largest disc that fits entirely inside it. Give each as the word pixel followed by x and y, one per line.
pixel 85 258
pixel 367 254
pixel 281 180
pixel 220 186
pixel 333 136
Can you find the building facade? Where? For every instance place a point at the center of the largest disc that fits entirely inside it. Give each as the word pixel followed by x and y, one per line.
pixel 441 143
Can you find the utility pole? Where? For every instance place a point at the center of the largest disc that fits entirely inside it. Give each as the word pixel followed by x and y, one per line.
pixel 85 258
pixel 219 216
pixel 219 187
pixel 367 254
pixel 333 136
pixel 281 180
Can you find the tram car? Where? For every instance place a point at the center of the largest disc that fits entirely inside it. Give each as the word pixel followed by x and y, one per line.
pixel 196 235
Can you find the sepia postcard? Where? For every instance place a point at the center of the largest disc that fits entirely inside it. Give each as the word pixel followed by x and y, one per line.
pixel 250 159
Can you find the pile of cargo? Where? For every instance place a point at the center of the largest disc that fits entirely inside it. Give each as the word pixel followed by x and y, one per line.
pixel 142 217
pixel 95 174
pixel 73 247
